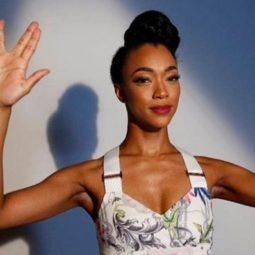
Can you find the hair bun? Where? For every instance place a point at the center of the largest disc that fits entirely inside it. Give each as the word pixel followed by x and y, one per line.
pixel 152 26
pixel 148 27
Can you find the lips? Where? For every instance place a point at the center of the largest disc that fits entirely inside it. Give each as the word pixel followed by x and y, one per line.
pixel 161 108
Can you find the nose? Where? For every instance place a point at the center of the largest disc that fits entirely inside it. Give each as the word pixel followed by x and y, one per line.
pixel 160 91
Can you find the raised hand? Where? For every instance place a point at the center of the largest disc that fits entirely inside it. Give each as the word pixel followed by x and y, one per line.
pixel 13 65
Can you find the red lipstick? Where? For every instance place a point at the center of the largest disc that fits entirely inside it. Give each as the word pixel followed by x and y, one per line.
pixel 161 109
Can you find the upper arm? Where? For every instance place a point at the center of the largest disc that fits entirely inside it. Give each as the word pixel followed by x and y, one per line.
pixel 234 183
pixel 57 193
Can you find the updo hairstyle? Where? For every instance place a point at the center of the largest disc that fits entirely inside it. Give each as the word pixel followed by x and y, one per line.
pixel 148 27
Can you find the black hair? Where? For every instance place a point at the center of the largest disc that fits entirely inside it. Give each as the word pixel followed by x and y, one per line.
pixel 148 27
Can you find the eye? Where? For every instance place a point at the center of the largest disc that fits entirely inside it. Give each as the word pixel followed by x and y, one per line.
pixel 141 80
pixel 174 78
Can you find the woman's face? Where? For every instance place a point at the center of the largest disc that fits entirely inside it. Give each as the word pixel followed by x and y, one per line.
pixel 150 77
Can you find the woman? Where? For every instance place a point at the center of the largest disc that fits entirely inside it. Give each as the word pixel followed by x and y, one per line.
pixel 146 195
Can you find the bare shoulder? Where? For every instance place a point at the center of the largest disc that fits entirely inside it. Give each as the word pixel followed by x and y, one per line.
pixel 212 168
pixel 90 174
pixel 87 175
pixel 91 171
pixel 229 181
pixel 219 172
pixel 217 167
pixel 81 172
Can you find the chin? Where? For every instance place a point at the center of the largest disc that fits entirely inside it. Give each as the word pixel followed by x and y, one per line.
pixel 157 125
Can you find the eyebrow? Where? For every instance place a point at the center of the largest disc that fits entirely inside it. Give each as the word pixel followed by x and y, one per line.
pixel 148 69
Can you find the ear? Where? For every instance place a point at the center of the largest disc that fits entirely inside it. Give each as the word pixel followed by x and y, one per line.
pixel 119 91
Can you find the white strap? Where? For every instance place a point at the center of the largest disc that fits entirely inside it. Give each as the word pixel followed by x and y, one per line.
pixel 196 174
pixel 112 173
pixel 112 178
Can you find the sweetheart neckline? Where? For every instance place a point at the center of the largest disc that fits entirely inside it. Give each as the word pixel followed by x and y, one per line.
pixel 121 193
pixel 170 208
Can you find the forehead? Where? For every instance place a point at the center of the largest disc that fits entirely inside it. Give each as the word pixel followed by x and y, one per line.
pixel 157 57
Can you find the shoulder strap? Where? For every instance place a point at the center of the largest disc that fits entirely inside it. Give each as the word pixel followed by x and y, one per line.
pixel 112 174
pixel 196 174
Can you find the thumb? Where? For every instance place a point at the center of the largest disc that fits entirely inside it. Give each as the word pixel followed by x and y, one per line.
pixel 35 77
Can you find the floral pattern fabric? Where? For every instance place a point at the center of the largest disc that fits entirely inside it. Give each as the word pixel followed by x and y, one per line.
pixel 125 226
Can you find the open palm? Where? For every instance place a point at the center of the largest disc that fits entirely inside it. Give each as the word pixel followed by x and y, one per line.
pixel 13 65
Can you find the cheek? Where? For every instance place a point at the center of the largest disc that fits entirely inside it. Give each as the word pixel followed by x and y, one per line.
pixel 138 97
pixel 174 93
pixel 137 101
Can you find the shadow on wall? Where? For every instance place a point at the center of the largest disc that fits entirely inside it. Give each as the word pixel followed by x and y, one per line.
pixel 72 128
pixel 72 137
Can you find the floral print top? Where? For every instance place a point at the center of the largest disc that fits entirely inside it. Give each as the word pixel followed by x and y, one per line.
pixel 126 226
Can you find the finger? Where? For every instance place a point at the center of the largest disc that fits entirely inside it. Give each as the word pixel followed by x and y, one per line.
pixel 2 47
pixel 23 41
pixel 31 46
pixel 34 78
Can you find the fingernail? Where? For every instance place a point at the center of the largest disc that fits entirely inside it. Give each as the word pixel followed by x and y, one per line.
pixel 35 22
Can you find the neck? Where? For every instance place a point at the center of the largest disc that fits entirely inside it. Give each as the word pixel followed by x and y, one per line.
pixel 146 143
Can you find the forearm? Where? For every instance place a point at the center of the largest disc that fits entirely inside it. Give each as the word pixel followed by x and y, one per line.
pixel 5 113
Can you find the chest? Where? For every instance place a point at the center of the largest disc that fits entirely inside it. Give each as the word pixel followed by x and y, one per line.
pixel 133 227
pixel 155 184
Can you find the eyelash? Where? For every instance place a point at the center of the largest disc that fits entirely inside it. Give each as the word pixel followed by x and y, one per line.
pixel 137 80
